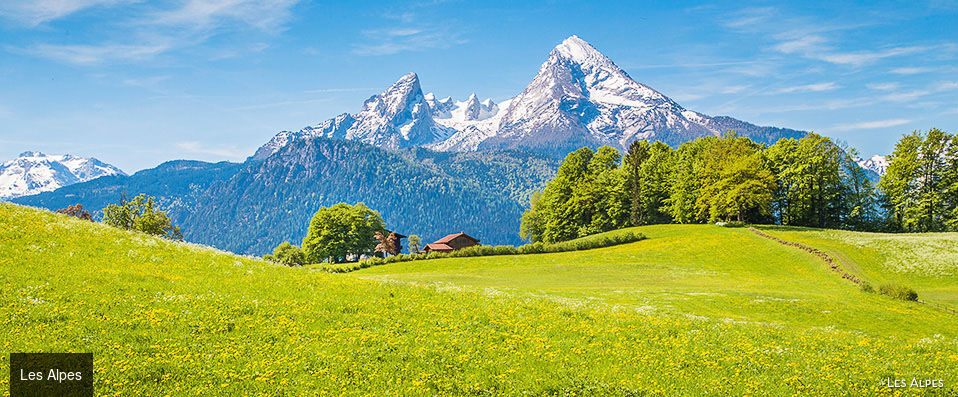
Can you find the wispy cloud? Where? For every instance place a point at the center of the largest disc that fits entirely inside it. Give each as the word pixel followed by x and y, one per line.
pixel 809 88
pixel 863 57
pixel 870 125
pixel 394 41
pixel 36 12
pixel 947 86
pixel 906 96
pixel 150 83
pixel 92 54
pixel 883 86
pixel 911 70
pixel 209 14
pixel 332 90
pixel 814 46
pixel 733 89
pixel 686 97
pixel 146 32
pixel 749 16
pixel 231 152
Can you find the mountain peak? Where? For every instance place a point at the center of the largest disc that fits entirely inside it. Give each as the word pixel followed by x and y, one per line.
pixel 579 51
pixel 34 172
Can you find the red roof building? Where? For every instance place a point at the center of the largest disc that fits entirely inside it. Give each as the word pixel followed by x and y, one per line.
pixel 452 242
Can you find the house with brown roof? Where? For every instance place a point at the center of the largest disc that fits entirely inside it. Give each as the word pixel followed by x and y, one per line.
pixel 451 243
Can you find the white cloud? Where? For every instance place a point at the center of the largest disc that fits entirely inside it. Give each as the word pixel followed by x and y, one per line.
pixel 733 89
pixel 861 58
pixel 393 41
pixel 802 44
pixel 904 96
pixel 332 90
pixel 684 97
pixel 870 125
pixel 817 47
pixel 145 32
pixel 947 86
pixel 911 70
pixel 230 152
pixel 35 12
pixel 750 16
pixel 91 54
pixel 883 86
pixel 809 88
pixel 206 14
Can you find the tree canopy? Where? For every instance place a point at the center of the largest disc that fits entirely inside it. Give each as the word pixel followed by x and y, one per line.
pixel 141 214
pixel 342 232
pixel 812 181
pixel 921 182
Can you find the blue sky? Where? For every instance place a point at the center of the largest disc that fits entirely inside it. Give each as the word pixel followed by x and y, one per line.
pixel 136 83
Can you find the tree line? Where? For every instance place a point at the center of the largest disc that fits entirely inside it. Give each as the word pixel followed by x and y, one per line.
pixel 812 181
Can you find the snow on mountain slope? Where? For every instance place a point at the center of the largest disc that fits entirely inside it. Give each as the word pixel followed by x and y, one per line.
pixel 472 120
pixel 579 97
pixel 399 117
pixel 876 163
pixel 35 172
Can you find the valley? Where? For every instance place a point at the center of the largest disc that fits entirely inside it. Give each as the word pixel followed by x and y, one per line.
pixel 694 309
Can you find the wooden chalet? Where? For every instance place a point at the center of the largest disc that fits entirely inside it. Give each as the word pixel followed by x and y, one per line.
pixel 451 243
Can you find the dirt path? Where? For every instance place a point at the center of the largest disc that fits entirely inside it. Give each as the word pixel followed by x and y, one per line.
pixel 832 263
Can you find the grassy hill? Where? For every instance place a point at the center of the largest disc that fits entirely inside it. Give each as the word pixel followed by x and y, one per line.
pixel 691 310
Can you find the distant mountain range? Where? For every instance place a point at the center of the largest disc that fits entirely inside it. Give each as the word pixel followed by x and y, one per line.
pixel 578 98
pixel 35 172
pixel 252 207
pixel 432 166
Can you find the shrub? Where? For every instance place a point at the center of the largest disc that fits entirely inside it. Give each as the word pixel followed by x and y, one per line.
pixel 287 254
pixel 866 287
pixel 584 243
pixel 898 291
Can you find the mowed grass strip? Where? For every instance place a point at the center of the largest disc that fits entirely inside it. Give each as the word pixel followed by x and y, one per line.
pixel 702 270
pixel 926 262
pixel 169 318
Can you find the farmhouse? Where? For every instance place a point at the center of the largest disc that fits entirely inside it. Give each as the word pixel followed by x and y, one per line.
pixel 452 242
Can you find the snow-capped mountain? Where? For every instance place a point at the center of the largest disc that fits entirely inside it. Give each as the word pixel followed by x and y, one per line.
pixel 35 172
pixel 876 163
pixel 579 97
pixel 399 117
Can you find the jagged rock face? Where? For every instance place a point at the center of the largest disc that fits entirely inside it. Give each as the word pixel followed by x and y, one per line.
pixel 35 172
pixel 399 117
pixel 579 97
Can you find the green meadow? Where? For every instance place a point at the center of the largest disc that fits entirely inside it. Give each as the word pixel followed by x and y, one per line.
pixel 692 310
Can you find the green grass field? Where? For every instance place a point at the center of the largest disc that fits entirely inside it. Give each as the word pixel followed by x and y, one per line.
pixel 694 309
